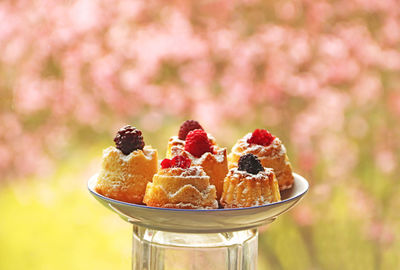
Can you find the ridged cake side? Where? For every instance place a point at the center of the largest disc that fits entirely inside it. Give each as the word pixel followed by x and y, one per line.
pixel 215 165
pixel 124 177
pixel 272 156
pixel 181 188
pixel 242 189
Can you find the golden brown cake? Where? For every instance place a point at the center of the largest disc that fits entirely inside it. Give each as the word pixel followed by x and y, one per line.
pixel 124 177
pixel 214 164
pixel 272 155
pixel 245 189
pixel 193 142
pixel 186 188
pixel 126 170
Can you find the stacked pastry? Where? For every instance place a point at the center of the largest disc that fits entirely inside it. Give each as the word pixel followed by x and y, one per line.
pixel 201 148
pixel 271 152
pixel 179 185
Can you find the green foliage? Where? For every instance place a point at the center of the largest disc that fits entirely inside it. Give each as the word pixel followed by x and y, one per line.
pixel 55 224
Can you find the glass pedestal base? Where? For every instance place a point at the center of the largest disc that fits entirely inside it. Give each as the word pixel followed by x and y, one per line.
pixel 160 250
pixel 206 239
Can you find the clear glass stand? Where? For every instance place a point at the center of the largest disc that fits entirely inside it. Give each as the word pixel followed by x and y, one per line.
pixel 198 239
pixel 161 250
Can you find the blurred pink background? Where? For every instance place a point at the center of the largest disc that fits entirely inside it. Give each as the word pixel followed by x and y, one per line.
pixel 324 76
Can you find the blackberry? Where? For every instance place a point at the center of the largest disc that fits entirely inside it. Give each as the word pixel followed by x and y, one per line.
pixel 250 163
pixel 186 127
pixel 129 139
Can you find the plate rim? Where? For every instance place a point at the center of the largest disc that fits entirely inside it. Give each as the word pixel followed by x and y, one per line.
pixel 301 194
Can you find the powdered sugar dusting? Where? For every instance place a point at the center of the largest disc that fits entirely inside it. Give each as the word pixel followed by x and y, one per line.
pixel 276 148
pixel 219 156
pixel 262 175
pixel 175 140
pixel 148 152
pixel 193 171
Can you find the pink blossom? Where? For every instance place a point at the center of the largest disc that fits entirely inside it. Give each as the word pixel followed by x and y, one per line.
pixel 313 71
pixel 358 126
pixel 287 10
pixel 385 161
pixel 367 89
pixel 381 233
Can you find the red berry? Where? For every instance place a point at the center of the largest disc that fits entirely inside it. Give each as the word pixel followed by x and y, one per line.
pixel 181 161
pixel 261 137
pixel 166 163
pixel 176 162
pixel 186 127
pixel 197 143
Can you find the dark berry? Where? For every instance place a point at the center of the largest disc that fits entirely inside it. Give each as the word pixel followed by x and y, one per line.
pixel 197 143
pixel 186 127
pixel 261 137
pixel 250 163
pixel 129 139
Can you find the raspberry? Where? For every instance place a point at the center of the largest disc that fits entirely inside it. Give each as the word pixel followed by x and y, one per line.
pixel 250 163
pixel 186 127
pixel 129 139
pixel 181 161
pixel 166 163
pixel 197 143
pixel 261 137
pixel 177 162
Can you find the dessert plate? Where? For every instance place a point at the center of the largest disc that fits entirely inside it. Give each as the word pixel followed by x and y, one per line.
pixel 203 221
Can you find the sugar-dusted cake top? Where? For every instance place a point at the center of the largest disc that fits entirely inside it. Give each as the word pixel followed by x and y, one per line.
pixel 148 152
pixel 249 167
pixel 195 171
pixel 261 137
pixel 275 148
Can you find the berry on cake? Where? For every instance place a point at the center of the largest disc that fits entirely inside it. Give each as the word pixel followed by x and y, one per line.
pixel 249 184
pixel 205 153
pixel 127 167
pixel 270 151
pixel 180 185
pixel 179 141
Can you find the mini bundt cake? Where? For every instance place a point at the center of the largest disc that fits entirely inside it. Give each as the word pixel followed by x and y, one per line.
pixel 270 151
pixel 202 152
pixel 249 185
pixel 179 185
pixel 127 168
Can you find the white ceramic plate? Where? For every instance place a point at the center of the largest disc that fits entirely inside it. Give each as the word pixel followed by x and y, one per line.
pixel 203 221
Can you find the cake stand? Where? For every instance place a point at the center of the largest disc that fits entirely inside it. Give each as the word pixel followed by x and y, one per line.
pixel 172 239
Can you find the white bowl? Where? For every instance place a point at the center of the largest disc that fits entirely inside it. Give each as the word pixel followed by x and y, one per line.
pixel 203 221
